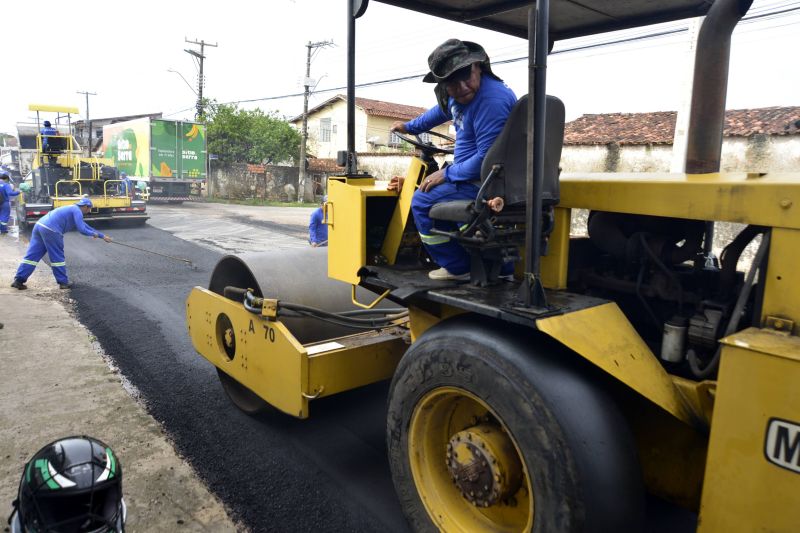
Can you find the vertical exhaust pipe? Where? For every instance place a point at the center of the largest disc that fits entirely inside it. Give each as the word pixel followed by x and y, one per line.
pixel 707 112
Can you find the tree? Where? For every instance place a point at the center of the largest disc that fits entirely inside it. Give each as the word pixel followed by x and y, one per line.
pixel 250 136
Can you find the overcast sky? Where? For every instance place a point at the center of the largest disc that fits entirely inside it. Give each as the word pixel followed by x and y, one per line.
pixel 122 51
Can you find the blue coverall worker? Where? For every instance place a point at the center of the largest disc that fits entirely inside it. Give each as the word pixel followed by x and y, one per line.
pixel 317 229
pixel 48 237
pixel 478 103
pixel 126 187
pixel 47 130
pixel 6 192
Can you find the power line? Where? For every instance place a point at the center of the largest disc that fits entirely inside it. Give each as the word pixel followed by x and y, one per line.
pixel 302 185
pixel 199 57
pixel 599 44
pixel 87 121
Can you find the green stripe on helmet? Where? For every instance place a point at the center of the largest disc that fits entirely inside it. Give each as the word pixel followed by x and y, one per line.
pixel 42 465
pixel 112 463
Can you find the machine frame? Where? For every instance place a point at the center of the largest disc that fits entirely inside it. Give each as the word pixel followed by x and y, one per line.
pixel 488 366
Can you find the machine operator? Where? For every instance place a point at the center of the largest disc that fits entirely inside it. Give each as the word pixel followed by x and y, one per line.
pixel 478 103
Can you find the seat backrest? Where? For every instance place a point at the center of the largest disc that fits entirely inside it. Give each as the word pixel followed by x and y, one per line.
pixel 55 144
pixel 510 150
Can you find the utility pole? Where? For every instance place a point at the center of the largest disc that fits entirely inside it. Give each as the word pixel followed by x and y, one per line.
pixel 200 56
pixel 304 190
pixel 88 123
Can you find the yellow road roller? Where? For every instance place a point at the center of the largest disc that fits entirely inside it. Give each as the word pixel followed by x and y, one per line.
pixel 626 361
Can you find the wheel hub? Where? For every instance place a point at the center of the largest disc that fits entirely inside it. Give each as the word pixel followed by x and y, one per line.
pixel 227 338
pixel 484 465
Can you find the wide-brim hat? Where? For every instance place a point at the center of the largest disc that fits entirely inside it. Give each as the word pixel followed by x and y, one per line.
pixel 452 55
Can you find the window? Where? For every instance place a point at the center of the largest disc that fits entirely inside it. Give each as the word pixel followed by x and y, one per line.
pixel 325 130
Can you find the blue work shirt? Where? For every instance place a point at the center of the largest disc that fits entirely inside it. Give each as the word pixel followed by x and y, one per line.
pixel 68 218
pixel 47 131
pixel 126 187
pixel 317 229
pixel 477 124
pixel 6 192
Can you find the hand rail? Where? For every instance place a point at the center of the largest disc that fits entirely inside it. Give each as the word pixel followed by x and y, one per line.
pixel 80 187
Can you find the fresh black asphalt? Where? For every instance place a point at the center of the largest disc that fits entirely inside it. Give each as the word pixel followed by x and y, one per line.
pixel 275 473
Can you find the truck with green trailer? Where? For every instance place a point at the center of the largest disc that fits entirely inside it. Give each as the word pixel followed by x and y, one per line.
pixel 169 155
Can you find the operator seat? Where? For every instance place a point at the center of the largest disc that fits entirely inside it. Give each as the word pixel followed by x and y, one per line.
pixel 494 238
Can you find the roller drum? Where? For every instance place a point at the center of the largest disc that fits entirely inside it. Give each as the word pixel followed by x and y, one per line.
pixel 298 276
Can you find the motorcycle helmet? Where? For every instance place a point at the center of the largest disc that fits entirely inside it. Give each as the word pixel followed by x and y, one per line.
pixel 72 485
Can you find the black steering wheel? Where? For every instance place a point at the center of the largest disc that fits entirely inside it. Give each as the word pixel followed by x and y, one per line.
pixel 427 147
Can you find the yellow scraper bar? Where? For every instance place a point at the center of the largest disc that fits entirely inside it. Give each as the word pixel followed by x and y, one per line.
pixel 53 108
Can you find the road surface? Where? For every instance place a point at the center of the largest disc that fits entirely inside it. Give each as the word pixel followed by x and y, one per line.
pixel 275 473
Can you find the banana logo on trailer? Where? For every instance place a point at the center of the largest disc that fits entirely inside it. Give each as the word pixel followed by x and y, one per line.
pixel 193 133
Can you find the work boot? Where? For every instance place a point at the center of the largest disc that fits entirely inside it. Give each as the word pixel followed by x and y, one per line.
pixel 66 285
pixel 18 284
pixel 442 274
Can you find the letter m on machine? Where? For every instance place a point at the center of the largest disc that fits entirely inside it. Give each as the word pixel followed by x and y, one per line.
pixel 782 445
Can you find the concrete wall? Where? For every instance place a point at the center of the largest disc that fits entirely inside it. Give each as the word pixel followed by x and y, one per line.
pixel 758 153
pixel 761 153
pixel 277 183
pixel 384 166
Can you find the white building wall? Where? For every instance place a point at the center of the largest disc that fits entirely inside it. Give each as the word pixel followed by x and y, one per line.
pixel 759 153
pixel 649 158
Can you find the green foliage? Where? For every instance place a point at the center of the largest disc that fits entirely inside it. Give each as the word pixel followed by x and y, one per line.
pixel 250 136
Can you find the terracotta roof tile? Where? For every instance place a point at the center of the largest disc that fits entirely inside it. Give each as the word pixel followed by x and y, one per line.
pixel 377 108
pixel 659 127
pixel 388 109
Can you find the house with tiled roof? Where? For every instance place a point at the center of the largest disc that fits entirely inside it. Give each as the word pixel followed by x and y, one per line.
pixel 327 125
pixel 753 140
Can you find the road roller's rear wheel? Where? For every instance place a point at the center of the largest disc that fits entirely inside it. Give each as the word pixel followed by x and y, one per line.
pixel 241 396
pixel 486 434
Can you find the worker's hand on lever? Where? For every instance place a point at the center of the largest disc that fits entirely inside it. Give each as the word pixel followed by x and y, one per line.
pixel 431 181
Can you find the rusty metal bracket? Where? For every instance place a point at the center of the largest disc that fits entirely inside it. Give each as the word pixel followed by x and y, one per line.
pixel 781 325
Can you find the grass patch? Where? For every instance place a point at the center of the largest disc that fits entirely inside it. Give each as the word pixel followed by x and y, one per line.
pixel 258 201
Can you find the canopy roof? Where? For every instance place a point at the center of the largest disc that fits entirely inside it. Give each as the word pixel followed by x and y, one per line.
pixel 568 18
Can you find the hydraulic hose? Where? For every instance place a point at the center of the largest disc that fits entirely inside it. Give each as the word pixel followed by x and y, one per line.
pixel 736 315
pixel 385 318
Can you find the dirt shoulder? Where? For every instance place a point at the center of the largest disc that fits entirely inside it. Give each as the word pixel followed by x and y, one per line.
pixel 55 382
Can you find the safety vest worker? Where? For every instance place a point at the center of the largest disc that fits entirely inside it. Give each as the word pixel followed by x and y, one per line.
pixel 48 237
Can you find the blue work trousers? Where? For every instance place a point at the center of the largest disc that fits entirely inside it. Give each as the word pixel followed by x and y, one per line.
pixel 444 251
pixel 5 213
pixel 44 241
